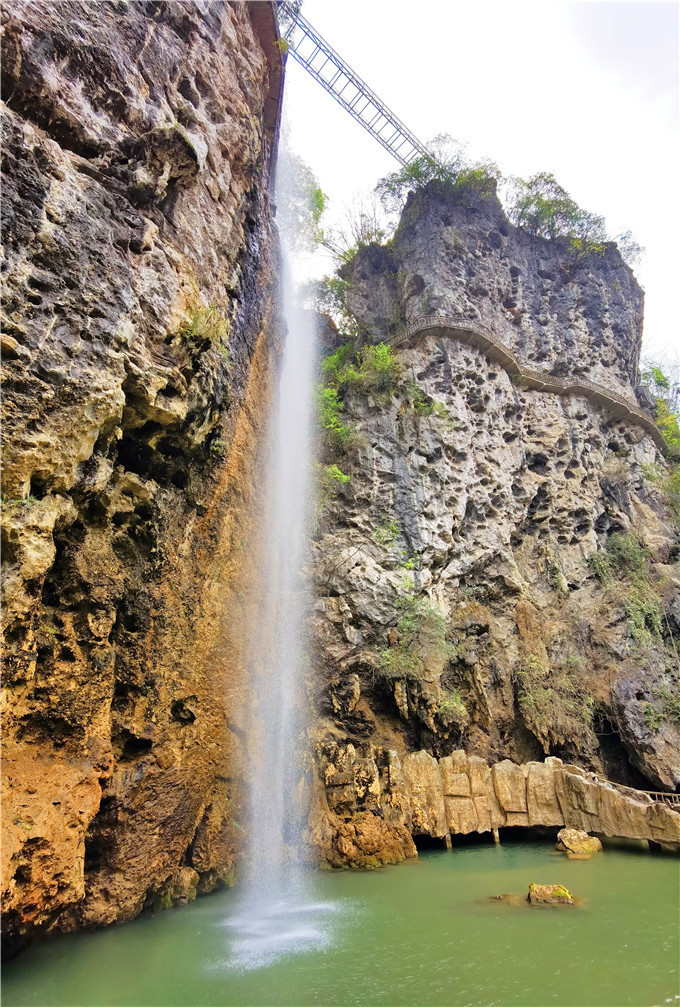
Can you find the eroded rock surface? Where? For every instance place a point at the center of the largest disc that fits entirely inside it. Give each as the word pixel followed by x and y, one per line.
pixel 425 797
pixel 459 255
pixel 500 507
pixel 137 360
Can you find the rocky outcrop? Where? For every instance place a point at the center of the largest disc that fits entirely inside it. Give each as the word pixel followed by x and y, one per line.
pixel 499 506
pixel 459 794
pixel 359 815
pixel 457 254
pixel 139 345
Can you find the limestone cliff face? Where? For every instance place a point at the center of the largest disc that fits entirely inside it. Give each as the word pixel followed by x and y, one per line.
pixel 139 338
pixel 482 500
pixel 462 257
pixel 372 802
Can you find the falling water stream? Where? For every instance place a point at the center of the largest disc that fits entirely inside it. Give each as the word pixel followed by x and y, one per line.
pixel 424 932
pixel 277 914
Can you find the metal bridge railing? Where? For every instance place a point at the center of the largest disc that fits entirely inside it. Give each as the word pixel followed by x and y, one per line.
pixel 319 58
pixel 671 800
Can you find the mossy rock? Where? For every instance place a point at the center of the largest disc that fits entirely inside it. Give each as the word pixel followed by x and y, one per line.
pixel 576 842
pixel 549 895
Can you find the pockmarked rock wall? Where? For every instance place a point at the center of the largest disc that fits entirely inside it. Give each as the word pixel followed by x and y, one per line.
pixel 371 802
pixel 534 529
pixel 139 343
pixel 568 315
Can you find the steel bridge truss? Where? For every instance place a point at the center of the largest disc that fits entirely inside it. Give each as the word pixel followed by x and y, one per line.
pixel 320 60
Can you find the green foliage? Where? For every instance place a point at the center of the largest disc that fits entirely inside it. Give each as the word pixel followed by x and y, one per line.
pixel 666 390
pixel 601 567
pixel 644 617
pixel 541 206
pixel 400 662
pixel 448 165
pixel 665 704
pixel 10 503
pixel 627 561
pixel 624 556
pixel 556 578
pixel 207 324
pixel 654 719
pixel 424 623
pixel 555 703
pixel 670 698
pixel 423 404
pixel 386 532
pixel 378 370
pixel 317 203
pixel 452 709
pixel 668 423
pixel 329 296
pixel 475 592
pixel 334 473
pixel 655 377
pixel 301 203
pixel 282 45
pixel 329 407
pixel 422 639
pixel 329 479
pixel 334 365
pixel 217 446
pixel 669 484
pixel 374 369
pixel 582 247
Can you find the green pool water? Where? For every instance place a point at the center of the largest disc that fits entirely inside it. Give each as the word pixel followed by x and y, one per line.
pixel 419 933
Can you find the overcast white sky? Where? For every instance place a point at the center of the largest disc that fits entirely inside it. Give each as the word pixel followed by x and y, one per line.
pixel 588 91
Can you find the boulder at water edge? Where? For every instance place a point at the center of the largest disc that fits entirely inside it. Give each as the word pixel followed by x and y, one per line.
pixel 576 841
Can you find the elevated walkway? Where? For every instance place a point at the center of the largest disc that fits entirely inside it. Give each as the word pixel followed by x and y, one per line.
pixel 671 800
pixel 325 65
pixel 480 337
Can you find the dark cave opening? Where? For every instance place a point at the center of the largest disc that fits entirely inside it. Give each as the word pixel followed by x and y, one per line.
pixel 425 842
pixel 615 759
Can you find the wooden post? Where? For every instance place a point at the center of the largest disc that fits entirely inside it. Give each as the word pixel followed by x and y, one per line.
pixel 496 837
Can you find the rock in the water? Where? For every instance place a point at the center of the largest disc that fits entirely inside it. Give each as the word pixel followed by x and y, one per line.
pixel 576 841
pixel 550 894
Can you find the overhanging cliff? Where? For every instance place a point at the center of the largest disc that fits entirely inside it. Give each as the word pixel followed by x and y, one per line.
pixel 138 350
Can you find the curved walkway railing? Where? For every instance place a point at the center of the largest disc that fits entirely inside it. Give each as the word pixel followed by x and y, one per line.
pixel 672 800
pixel 477 335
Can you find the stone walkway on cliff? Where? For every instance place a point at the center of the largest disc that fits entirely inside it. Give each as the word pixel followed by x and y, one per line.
pixel 480 337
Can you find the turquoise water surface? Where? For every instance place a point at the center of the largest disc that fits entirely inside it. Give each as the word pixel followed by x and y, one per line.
pixel 419 933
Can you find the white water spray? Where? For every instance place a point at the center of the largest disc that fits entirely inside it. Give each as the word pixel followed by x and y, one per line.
pixel 277 915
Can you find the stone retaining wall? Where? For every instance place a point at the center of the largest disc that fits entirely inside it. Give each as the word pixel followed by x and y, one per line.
pixel 460 794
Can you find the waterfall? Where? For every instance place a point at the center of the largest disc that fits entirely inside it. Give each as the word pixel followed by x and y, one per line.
pixel 276 914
